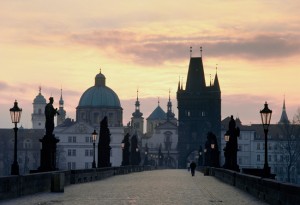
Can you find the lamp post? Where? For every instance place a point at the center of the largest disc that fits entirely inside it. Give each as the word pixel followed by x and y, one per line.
pixel 200 159
pixel 231 148
pixel 205 157
pixel 227 153
pixel 266 114
pixel 15 114
pixel 94 138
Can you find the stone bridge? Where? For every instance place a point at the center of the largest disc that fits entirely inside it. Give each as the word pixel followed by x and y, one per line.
pixel 168 186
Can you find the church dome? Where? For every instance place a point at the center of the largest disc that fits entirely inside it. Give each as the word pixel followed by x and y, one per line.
pixel 39 99
pixel 99 95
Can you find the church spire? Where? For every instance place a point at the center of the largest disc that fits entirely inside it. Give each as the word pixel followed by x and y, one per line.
pixel 61 101
pixel 284 118
pixel 62 113
pixel 170 114
pixel 137 112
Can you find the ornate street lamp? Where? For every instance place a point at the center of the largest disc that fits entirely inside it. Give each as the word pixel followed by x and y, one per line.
pixel 15 114
pixel 226 137
pixel 266 114
pixel 200 159
pixel 94 138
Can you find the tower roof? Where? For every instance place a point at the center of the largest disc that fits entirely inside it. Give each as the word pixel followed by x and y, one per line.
pixel 216 82
pixel 137 112
pixel 195 79
pixel 158 113
pixel 39 99
pixel 284 118
pixel 61 101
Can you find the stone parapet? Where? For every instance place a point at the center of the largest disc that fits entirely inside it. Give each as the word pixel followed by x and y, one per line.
pixel 268 190
pixel 17 186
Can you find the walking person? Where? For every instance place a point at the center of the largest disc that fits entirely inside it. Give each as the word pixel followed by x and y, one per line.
pixel 193 167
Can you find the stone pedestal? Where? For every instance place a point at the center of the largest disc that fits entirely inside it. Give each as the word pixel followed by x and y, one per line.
pixel 48 154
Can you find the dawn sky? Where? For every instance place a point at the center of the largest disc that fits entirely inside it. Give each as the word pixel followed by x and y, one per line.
pixel 144 45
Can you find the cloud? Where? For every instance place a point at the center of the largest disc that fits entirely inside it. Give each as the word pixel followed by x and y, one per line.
pixel 3 85
pixel 154 50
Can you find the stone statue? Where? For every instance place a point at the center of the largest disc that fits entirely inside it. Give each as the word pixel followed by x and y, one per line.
pixel 50 113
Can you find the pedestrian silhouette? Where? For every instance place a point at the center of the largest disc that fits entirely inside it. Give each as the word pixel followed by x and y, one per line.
pixel 193 167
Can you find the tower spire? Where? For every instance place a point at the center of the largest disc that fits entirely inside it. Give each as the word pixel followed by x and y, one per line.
pixel 284 118
pixel 62 113
pixel 137 113
pixel 170 114
pixel 191 51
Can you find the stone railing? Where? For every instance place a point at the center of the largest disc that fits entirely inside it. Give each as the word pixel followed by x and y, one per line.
pixel 17 186
pixel 268 190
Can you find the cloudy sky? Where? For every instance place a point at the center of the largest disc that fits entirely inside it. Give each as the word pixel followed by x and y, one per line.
pixel 144 45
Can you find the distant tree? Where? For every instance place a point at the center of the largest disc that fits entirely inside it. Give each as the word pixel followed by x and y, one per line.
pixel 296 118
pixel 289 145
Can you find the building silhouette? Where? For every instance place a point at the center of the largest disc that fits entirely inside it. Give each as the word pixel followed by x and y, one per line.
pixel 199 110
pixel 38 116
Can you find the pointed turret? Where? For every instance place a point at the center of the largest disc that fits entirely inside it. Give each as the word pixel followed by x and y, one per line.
pixel 216 83
pixel 62 113
pixel 284 118
pixel 61 101
pixel 178 89
pixel 137 112
pixel 170 114
pixel 137 120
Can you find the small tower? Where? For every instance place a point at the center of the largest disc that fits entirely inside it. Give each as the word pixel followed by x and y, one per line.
pixel 137 120
pixel 284 118
pixel 170 114
pixel 38 116
pixel 62 113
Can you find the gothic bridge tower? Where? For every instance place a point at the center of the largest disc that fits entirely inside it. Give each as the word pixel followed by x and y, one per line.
pixel 199 110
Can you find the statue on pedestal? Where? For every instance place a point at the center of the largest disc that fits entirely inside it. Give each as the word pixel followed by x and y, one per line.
pixel 48 152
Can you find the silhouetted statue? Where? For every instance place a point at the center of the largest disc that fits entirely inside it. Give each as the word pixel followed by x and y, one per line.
pixel 126 153
pixel 103 145
pixel 50 113
pixel 230 151
pixel 48 151
pixel 135 157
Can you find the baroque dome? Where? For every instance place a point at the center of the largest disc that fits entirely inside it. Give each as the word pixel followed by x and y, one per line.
pixel 99 95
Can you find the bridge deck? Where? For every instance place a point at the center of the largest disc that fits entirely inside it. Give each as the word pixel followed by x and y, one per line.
pixel 149 187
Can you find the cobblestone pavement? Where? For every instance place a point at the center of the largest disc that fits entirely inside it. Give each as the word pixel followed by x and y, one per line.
pixel 149 187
